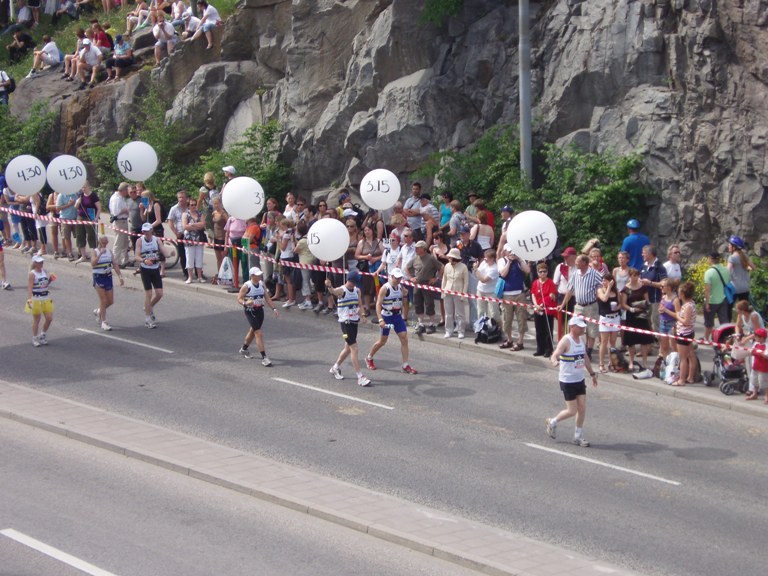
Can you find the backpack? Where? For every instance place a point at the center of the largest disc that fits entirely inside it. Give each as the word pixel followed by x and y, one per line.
pixel 487 330
pixel 619 362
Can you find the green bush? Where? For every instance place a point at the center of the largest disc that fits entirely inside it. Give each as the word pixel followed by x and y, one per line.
pixel 435 11
pixel 695 273
pixel 30 137
pixel 758 284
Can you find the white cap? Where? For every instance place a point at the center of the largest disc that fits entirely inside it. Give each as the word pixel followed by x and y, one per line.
pixel 146 227
pixel 576 321
pixel 349 213
pixel 396 273
pixel 86 42
pixel 37 258
pixel 255 271
pixel 230 169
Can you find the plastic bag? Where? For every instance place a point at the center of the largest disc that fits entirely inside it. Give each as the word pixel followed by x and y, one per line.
pixel 225 272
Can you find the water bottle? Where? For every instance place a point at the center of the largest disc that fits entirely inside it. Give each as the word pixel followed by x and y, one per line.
pixel 16 238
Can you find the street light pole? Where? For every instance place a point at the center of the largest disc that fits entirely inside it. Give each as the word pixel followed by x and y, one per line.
pixel 524 90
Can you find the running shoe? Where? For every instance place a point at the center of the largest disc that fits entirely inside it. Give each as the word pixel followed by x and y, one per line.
pixel 26 249
pixel 551 428
pixel 447 335
pixel 43 339
pixel 152 317
pixel 461 336
pixel 336 373
pixel 408 370
pixel 370 364
pixel 106 327
pixel 35 342
pixel 580 442
pixel 318 308
pixel 6 285
pixel 266 361
pixel 150 324
pixel 245 353
pixel 363 381
pixel 188 280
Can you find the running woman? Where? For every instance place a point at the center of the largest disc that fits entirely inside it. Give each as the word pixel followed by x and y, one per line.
pixel 103 263
pixel 148 253
pixel 571 354
pixel 39 302
pixel 389 306
pixel 252 297
pixel 348 307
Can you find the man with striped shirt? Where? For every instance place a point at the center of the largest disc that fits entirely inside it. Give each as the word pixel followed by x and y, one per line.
pixel 582 286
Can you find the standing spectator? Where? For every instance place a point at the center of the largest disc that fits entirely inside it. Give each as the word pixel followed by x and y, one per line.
pixel 219 218
pixel 651 276
pixel 134 215
pixel 193 224
pixel 430 218
pixel 4 284
pixel 88 208
pixel 560 277
pixel 412 210
pixel 471 211
pixel 306 259
pixel 482 231
pixel 456 279
pixel 389 257
pixel 205 196
pixel 621 272
pixel 389 304
pixel 121 59
pixel 455 223
pixel 583 285
pixel 573 359
pixel 633 244
pixel 210 19
pixel 669 303
pixel 672 265
pixel 507 213
pixel 234 230
pixel 118 208
pixel 165 37
pixel 715 302
pixel 471 253
pixel 424 270
pixel 65 208
pixel 175 221
pixel 513 271
pixel 685 317
pixel 287 243
pixel 39 301
pixel 634 299
pixel 368 255
pixel 544 298
pixel 610 319
pixel 252 297
pixel 445 209
pixel 50 206
pixel 739 266
pixel 348 306
pixel 487 273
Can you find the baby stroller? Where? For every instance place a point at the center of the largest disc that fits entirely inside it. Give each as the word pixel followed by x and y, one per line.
pixel 730 373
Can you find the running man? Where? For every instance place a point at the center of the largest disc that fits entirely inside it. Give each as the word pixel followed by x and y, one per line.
pixel 348 306
pixel 103 263
pixel 39 301
pixel 389 305
pixel 571 353
pixel 148 253
pixel 252 297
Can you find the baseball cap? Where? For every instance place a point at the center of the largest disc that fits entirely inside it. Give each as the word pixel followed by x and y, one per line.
pixel 421 244
pixel 507 208
pixel 255 271
pixel 570 251
pixel 464 230
pixel 472 195
pixel 348 213
pixel 576 321
pixel 761 333
pixel 119 38
pixel 37 258
pixel 353 275
pixel 86 42
pixel 230 169
pixel 146 227
pixel 396 273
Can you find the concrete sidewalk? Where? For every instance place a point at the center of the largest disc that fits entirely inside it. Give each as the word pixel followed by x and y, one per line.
pixel 477 546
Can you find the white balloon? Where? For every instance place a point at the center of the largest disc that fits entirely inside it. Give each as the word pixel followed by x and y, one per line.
pixel 25 175
pixel 66 174
pixel 531 235
pixel 380 189
pixel 137 161
pixel 243 197
pixel 328 239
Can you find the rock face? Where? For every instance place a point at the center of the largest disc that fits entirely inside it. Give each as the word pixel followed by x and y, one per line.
pixel 363 84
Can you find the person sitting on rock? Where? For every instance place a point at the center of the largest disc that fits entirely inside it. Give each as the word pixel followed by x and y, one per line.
pixel 84 6
pixel 122 59
pixel 66 7
pixel 178 9
pixel 208 22
pixel 48 56
pixel 101 39
pixel 24 19
pixel 20 45
pixel 70 60
pixel 191 24
pixel 136 18
pixel 89 60
pixel 165 37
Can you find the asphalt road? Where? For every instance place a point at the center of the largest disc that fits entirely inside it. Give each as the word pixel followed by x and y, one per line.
pixel 670 487
pixel 125 517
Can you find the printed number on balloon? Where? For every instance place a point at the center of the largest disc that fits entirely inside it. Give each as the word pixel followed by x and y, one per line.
pixel 541 241
pixel 71 172
pixel 378 186
pixel 29 173
pixel 125 166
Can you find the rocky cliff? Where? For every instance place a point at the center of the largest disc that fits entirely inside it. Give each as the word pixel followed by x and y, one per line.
pixel 363 84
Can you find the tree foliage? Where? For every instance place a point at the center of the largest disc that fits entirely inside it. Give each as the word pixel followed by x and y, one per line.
pixel 30 137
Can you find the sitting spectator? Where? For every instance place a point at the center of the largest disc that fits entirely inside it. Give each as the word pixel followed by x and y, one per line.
pixel 24 19
pixel 34 5
pixel 5 81
pixel 121 59
pixel 191 24
pixel 137 18
pixel 208 22
pixel 165 37
pixel 84 6
pixel 178 9
pixel 89 60
pixel 48 56
pixel 20 45
pixel 107 5
pixel 70 60
pixel 66 7
pixel 101 39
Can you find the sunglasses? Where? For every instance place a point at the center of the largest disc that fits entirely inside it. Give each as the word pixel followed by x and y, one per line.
pixel 351 226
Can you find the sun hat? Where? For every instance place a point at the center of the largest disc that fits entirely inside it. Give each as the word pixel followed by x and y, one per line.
pixel 576 321
pixel 348 213
pixel 255 271
pixel 454 254
pixel 464 230
pixel 396 273
pixel 146 227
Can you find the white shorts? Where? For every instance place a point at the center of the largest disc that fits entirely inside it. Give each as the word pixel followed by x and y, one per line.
pixel 758 380
pixel 612 319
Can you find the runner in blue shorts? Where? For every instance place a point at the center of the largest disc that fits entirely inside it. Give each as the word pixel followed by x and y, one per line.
pixel 389 305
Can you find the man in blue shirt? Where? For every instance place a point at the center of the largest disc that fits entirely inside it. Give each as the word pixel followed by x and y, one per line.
pixel 633 244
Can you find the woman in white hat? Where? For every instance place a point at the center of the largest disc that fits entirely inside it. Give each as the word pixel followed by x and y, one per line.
pixel 455 279
pixel 39 302
pixel 253 296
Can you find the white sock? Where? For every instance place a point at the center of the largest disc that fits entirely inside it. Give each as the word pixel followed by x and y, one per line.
pixel 577 434
pixel 359 374
pixel 553 422
pixel 335 366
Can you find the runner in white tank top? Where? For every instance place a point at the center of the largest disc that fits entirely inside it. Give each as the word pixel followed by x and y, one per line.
pixel 348 306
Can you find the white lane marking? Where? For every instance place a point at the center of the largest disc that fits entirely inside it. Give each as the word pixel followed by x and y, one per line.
pixel 613 467
pixel 94 333
pixel 292 383
pixel 55 553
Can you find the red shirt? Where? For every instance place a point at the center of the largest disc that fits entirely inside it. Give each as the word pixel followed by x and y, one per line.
pixel 545 294
pixel 759 362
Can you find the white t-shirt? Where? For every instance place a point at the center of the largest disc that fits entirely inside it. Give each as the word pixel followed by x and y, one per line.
pixel 174 216
pixel 91 54
pixel 490 270
pixel 211 15
pixel 673 270
pixel 50 52
pixel 164 34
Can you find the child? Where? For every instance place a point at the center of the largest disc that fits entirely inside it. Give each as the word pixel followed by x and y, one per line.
pixel 544 296
pixel 759 375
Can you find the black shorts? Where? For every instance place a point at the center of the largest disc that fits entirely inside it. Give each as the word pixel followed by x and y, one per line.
pixel 681 339
pixel 349 332
pixel 573 389
pixel 150 278
pixel 255 317
pixel 218 244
